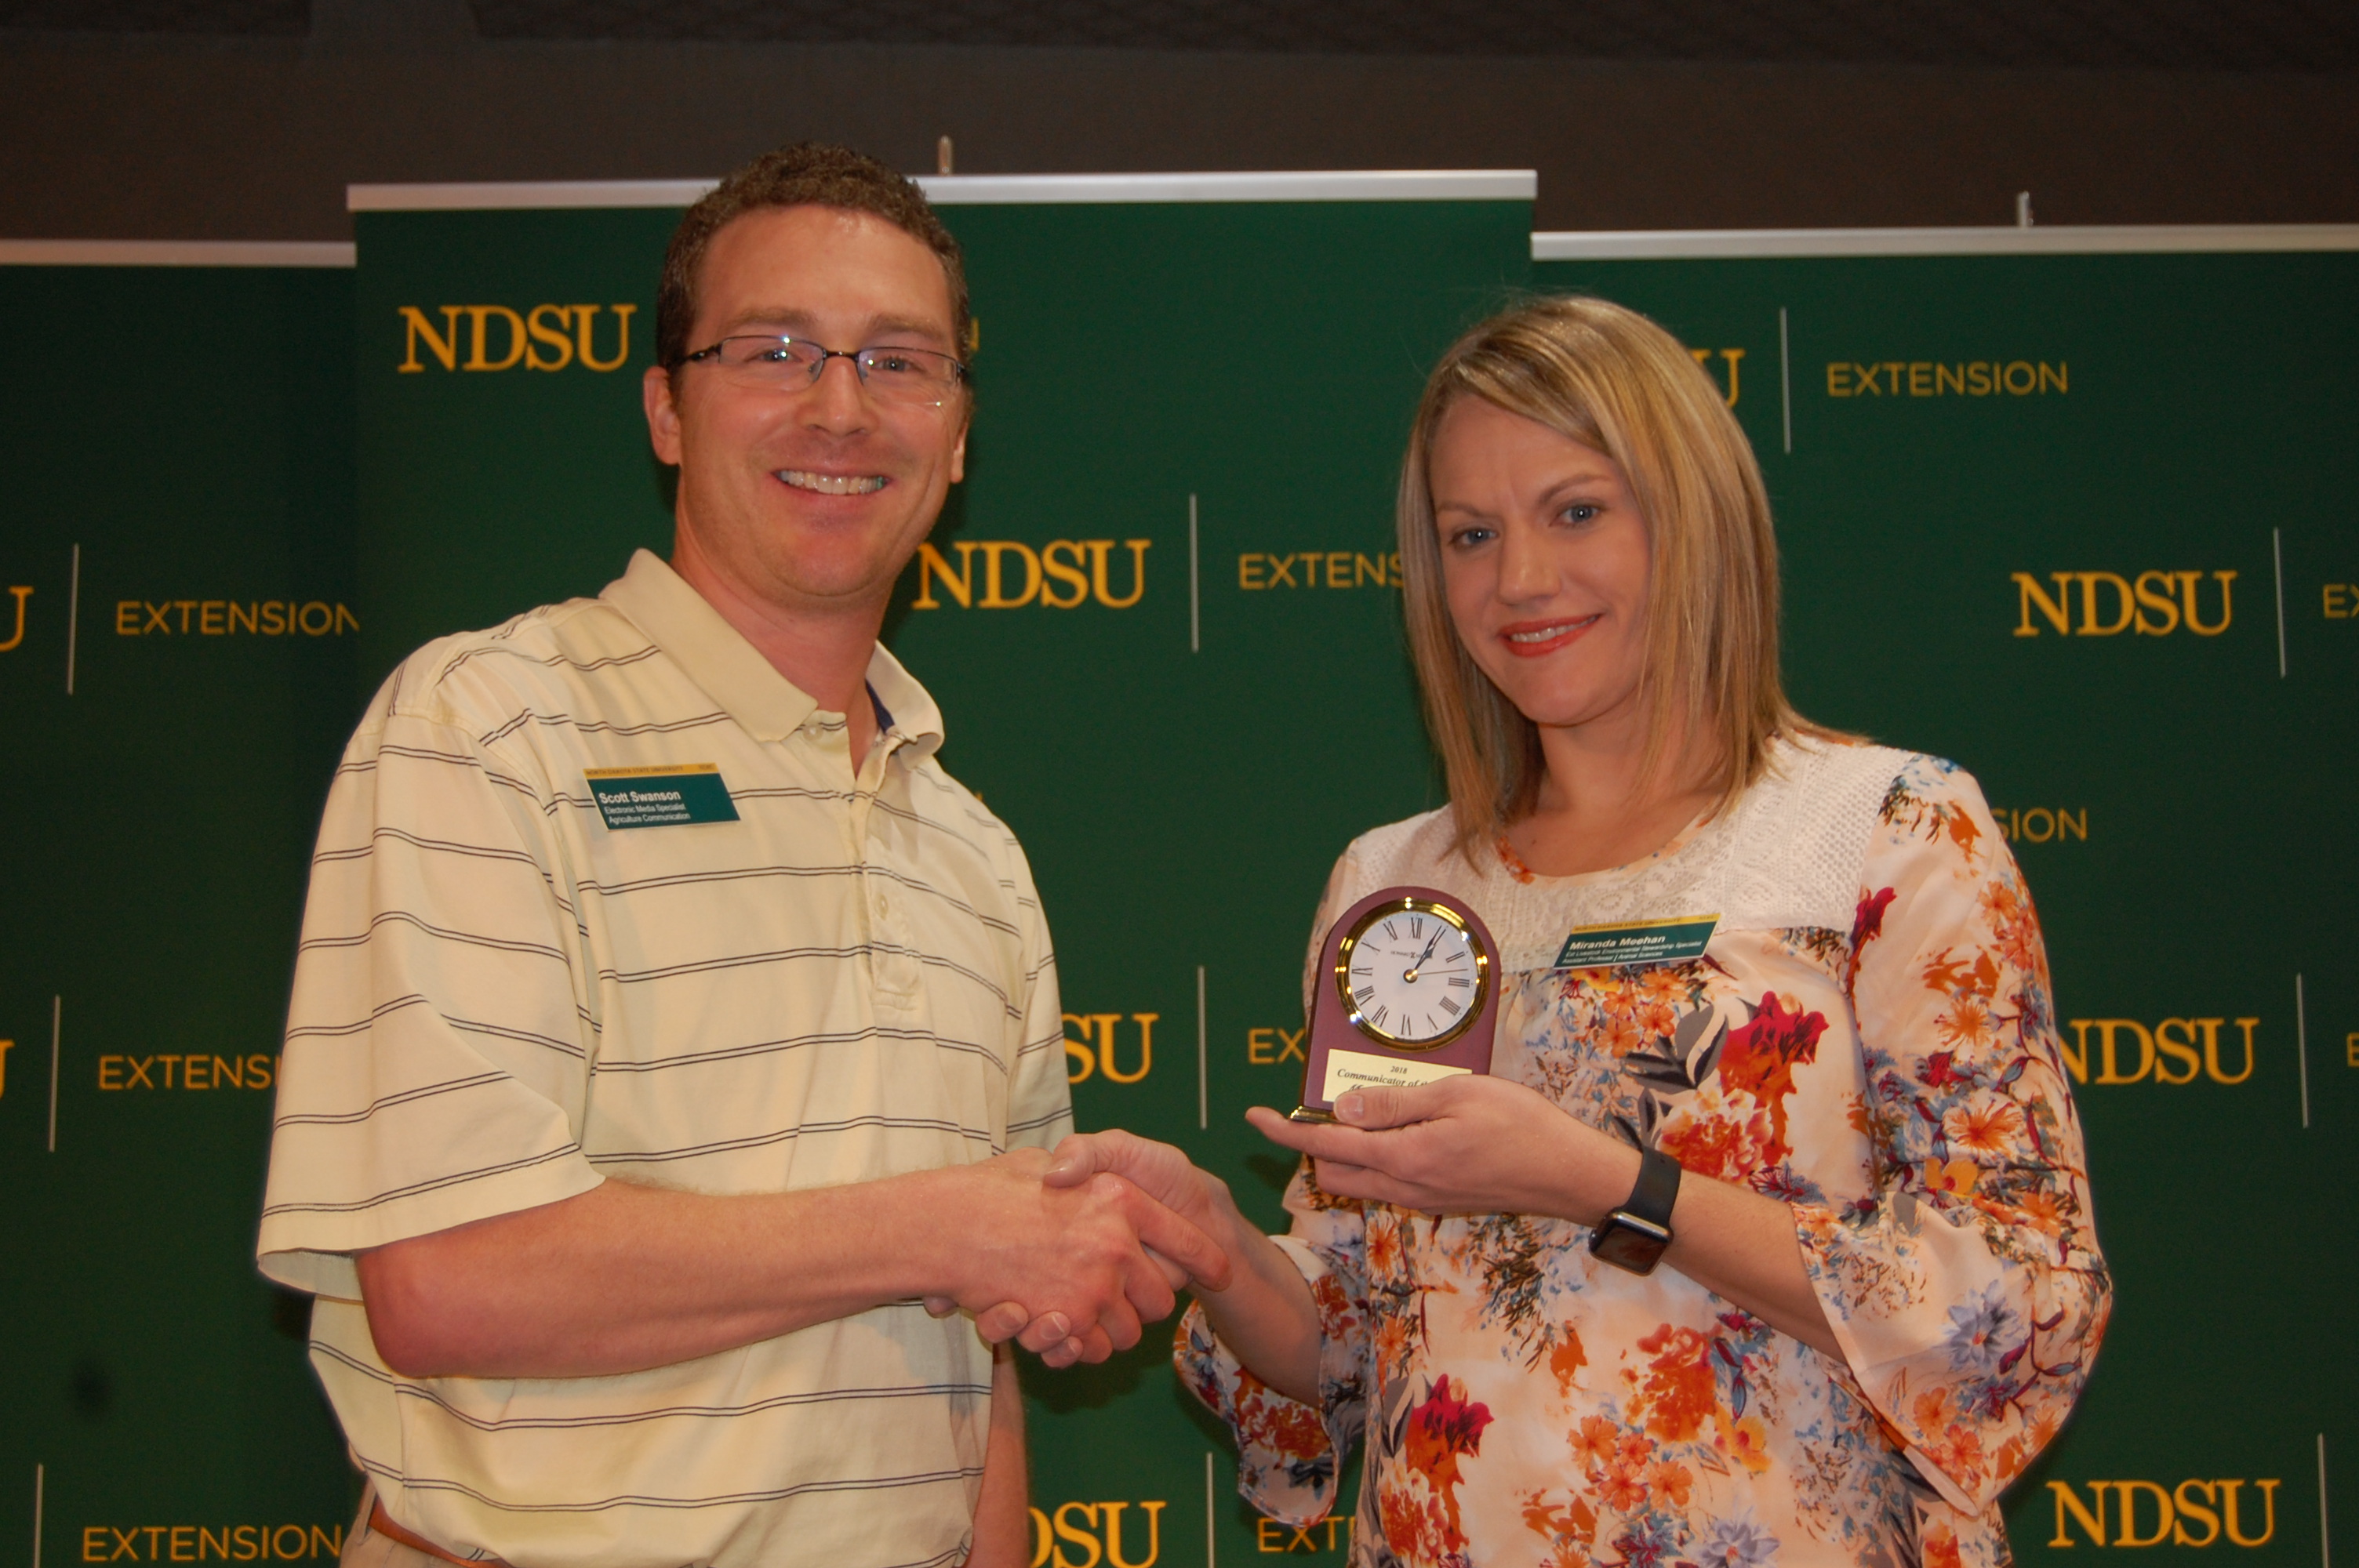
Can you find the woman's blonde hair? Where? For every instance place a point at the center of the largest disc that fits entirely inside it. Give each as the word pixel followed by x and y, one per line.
pixel 1613 379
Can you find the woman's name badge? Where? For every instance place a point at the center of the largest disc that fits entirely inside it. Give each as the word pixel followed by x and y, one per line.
pixel 1646 942
pixel 1407 993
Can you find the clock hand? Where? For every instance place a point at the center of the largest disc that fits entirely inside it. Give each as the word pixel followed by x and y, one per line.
pixel 1411 976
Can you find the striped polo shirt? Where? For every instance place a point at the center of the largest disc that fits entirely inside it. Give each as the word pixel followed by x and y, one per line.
pixel 748 970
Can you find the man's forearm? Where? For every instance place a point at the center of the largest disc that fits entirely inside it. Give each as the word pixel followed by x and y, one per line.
pixel 624 1277
pixel 1003 1518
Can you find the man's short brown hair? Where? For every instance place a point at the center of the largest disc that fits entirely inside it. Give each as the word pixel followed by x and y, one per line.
pixel 808 174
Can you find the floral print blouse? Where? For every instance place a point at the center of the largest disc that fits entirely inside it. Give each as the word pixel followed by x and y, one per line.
pixel 1869 1036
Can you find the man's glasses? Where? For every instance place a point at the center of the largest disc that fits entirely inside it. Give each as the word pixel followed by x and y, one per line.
pixel 911 378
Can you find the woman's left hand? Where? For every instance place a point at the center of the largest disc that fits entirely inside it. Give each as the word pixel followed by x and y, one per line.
pixel 1464 1145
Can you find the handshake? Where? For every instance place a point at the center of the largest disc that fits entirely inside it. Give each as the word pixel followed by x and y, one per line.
pixel 1069 1252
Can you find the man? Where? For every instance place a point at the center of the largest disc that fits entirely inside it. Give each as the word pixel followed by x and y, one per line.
pixel 668 1022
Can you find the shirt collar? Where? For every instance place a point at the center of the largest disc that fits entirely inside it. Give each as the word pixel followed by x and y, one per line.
pixel 732 672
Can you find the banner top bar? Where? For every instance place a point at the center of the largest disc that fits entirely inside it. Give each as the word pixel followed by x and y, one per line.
pixel 173 253
pixel 988 190
pixel 1672 245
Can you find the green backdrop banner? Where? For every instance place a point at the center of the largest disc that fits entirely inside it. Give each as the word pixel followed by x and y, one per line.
pixel 177 643
pixel 2082 522
pixel 2079 522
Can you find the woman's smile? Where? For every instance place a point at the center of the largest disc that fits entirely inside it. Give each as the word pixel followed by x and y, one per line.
pixel 1536 639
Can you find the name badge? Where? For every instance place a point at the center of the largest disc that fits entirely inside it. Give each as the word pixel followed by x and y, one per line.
pixel 1647 942
pixel 669 796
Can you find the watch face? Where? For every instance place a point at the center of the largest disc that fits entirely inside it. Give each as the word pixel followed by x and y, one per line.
pixel 1412 976
pixel 1628 1242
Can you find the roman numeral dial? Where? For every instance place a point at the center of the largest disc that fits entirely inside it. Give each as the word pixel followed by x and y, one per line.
pixel 1412 974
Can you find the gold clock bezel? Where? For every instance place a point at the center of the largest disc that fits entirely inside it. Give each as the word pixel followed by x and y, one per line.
pixel 1386 911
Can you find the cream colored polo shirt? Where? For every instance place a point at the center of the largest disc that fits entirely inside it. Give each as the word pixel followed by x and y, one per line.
pixel 501 999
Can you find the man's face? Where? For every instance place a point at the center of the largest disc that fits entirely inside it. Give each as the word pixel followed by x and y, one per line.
pixel 813 498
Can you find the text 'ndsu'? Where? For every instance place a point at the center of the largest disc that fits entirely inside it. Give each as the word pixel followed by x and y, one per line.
pixel 1096 1530
pixel 2154 604
pixel 2171 1050
pixel 547 337
pixel 2147 1515
pixel 1095 1050
pixel 1059 575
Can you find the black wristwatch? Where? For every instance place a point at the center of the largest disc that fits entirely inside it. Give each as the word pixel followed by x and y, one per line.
pixel 1634 1236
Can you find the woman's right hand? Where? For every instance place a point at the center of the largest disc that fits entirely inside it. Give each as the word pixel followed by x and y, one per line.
pixel 1163 1174
pixel 1158 1170
pixel 1264 1312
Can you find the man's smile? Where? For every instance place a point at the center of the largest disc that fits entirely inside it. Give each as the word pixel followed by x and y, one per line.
pixel 833 484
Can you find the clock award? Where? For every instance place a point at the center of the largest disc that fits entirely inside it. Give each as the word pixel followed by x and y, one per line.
pixel 1407 992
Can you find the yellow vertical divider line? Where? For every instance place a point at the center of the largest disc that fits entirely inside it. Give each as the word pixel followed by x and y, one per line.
pixel 1203 1096
pixel 1195 638
pixel 1212 1558
pixel 56 1025
pixel 73 618
pixel 2301 1045
pixel 1785 382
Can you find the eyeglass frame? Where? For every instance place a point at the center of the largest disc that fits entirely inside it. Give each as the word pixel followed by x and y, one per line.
pixel 960 376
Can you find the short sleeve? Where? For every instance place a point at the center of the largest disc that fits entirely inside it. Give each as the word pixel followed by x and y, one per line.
pixel 1039 1099
pixel 439 1035
pixel 1967 1291
pixel 1290 1454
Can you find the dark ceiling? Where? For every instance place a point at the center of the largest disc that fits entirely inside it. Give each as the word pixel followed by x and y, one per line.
pixel 2307 35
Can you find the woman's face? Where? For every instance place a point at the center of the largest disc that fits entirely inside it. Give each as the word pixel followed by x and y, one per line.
pixel 1544 562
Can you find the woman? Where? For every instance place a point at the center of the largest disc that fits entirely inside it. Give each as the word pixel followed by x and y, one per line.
pixel 1883 1289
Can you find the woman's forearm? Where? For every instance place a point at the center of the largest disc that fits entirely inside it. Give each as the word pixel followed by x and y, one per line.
pixel 1741 1246
pixel 1266 1316
pixel 1485 1145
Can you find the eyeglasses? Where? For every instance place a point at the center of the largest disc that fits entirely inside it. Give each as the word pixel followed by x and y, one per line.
pixel 911 378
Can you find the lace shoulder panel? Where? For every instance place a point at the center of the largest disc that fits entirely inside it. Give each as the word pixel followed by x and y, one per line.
pixel 1787 855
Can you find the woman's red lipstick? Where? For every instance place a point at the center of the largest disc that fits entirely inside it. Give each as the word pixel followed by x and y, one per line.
pixel 1565 631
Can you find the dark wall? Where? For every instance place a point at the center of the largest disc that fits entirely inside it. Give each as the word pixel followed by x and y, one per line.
pixel 152 137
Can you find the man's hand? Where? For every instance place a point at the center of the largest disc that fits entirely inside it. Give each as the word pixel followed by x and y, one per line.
pixel 1092 1251
pixel 1163 1174
pixel 1464 1145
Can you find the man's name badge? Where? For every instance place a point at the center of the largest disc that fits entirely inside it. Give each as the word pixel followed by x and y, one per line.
pixel 1646 942
pixel 1407 993
pixel 669 796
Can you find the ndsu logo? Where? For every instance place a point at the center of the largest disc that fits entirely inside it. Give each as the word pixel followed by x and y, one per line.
pixel 2193 1513
pixel 2154 604
pixel 547 337
pixel 2169 1051
pixel 1059 575
pixel 1096 1529
pixel 1097 1051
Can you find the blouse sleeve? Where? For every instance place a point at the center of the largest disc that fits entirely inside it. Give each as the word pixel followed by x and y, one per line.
pixel 1967 1291
pixel 1290 1454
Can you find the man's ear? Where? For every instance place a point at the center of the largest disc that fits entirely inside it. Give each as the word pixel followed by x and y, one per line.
pixel 958 454
pixel 663 415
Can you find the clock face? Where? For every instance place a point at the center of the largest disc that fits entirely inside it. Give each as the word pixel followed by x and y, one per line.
pixel 1411 975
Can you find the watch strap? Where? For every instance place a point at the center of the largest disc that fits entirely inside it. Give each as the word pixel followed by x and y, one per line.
pixel 1657 1189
